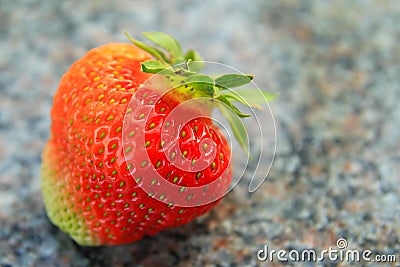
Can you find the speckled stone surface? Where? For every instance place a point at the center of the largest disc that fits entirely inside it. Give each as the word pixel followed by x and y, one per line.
pixel 336 174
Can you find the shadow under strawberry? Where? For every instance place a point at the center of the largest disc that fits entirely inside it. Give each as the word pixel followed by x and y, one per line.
pixel 163 249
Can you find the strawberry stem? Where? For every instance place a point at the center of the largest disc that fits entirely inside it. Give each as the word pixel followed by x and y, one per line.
pixel 169 59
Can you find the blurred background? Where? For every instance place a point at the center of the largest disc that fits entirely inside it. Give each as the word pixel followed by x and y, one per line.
pixel 335 65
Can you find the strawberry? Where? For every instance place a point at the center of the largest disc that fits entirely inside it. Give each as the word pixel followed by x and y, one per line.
pixel 130 153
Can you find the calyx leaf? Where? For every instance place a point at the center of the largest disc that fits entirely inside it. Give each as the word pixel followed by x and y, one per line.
pixel 233 80
pixel 150 49
pixel 166 42
pixel 238 128
pixel 250 98
pixel 153 66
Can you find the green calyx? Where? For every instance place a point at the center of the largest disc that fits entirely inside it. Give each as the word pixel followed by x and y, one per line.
pixel 170 60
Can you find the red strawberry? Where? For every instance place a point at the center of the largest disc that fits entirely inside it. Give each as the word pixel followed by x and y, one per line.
pixel 126 156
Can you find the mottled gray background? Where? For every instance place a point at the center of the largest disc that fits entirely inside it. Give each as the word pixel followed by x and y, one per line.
pixel 336 67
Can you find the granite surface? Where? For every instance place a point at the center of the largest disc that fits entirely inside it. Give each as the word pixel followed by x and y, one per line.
pixel 335 65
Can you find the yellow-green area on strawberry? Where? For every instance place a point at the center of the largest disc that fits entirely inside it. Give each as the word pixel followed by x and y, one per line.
pixel 112 131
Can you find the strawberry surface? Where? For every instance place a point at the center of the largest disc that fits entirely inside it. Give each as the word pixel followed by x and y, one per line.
pixel 111 153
